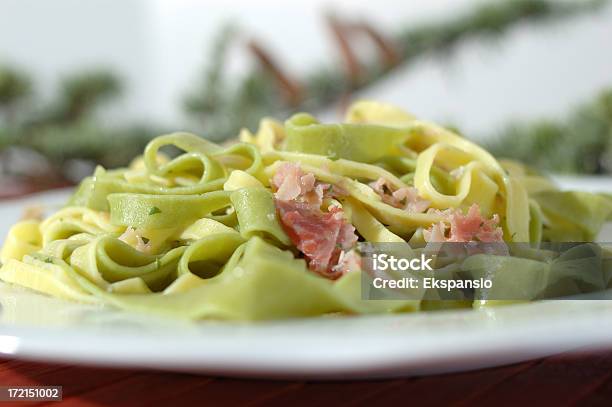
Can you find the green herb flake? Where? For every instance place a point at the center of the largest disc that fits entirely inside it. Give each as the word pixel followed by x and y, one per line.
pixel 48 260
pixel 145 240
pixel 154 210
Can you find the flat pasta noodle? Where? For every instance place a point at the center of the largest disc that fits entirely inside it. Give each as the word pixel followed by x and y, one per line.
pixel 200 231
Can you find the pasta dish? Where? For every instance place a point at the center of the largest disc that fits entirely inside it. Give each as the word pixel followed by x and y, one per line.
pixel 268 226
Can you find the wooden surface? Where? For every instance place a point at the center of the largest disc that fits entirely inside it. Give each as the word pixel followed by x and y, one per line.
pixel 568 379
pixel 11 188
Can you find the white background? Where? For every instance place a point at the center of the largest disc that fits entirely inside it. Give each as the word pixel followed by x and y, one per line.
pixel 159 48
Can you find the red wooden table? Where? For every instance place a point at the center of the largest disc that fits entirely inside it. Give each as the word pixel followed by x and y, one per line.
pixel 14 188
pixel 567 379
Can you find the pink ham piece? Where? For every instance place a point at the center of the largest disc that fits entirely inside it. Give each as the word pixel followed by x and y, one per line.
pixel 348 262
pixel 323 237
pixel 293 184
pixel 406 198
pixel 470 227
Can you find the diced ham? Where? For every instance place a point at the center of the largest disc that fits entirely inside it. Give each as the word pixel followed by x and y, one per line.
pixel 470 227
pixel 315 196
pixel 406 198
pixel 436 233
pixel 347 237
pixel 292 183
pixel 348 262
pixel 413 203
pixel 322 236
pixel 380 187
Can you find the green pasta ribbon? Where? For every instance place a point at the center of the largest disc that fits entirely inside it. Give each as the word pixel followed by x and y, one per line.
pixel 257 214
pixel 356 142
pixel 190 230
pixel 163 211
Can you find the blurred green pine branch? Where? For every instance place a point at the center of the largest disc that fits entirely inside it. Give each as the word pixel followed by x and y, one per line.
pixel 15 89
pixel 66 129
pixel 582 143
pixel 220 106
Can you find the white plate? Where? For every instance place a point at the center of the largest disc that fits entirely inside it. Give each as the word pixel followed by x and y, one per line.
pixel 37 327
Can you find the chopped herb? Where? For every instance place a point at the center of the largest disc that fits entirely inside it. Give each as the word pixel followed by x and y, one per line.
pixel 48 260
pixel 154 210
pixel 145 240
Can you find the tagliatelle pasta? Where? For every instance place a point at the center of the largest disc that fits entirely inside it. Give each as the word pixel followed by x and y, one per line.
pixel 267 227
